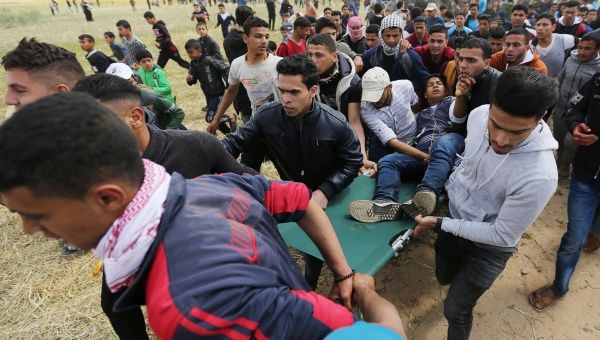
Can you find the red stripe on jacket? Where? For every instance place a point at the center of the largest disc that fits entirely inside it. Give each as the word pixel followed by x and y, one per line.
pixel 328 312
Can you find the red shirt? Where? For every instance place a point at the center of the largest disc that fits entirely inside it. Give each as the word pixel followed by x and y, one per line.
pixel 433 67
pixel 290 48
pixel 414 41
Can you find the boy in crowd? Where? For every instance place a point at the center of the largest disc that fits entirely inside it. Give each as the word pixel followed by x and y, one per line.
pixel 589 18
pixel 224 19
pixel 168 50
pixel 284 34
pixel 212 73
pixel 97 59
pixel 509 159
pixel 551 46
pixel 197 13
pixel 517 52
pixel 483 29
pixel 437 52
pixel 190 153
pixel 432 17
pixel 372 36
pixel 133 44
pixel 449 20
pixel 119 51
pixel 153 75
pixel 208 45
pixel 472 19
pixel 459 30
pixel 104 195
pixel 255 70
pixel 296 44
pixel 569 23
pixel 518 15
pixel 429 154
pixel 420 36
pixel 496 39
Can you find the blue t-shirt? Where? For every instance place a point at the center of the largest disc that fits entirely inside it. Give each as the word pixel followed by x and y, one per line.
pixel 362 330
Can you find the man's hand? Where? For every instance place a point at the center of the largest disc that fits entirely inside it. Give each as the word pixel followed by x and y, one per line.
pixel 368 168
pixel 404 45
pixel 582 135
pixel 464 85
pixel 362 283
pixel 358 63
pixel 342 291
pixel 212 127
pixel 424 223
pixel 319 197
pixel 157 45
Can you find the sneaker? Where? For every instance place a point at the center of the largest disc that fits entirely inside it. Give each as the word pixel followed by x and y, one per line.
pixel 423 203
pixel 69 249
pixel 368 211
pixel 204 109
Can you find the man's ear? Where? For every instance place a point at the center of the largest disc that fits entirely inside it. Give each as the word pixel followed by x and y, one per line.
pixel 138 117
pixel 63 88
pixel 313 91
pixel 110 197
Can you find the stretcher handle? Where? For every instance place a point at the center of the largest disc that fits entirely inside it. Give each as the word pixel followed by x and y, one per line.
pixel 401 241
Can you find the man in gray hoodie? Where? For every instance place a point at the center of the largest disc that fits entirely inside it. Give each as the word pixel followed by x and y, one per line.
pixel 579 68
pixel 506 177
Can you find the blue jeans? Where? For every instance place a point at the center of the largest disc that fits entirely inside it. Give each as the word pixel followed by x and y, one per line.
pixel 394 166
pixel 584 199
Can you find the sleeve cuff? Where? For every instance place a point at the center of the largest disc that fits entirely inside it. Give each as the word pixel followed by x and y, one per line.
pixel 453 118
pixel 328 190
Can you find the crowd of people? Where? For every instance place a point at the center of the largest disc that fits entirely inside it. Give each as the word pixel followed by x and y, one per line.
pixel 485 106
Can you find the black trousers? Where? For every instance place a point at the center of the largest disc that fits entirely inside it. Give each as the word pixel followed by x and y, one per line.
pixel 166 54
pixel 128 324
pixel 470 270
pixel 272 21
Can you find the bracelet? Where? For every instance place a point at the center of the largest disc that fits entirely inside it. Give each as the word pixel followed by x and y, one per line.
pixel 337 278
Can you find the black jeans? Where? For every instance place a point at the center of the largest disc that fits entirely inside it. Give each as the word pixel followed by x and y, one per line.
pixel 470 270
pixel 166 54
pixel 128 324
pixel 312 270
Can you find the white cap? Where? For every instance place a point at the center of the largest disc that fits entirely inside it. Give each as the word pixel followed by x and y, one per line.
pixel 120 70
pixel 374 81
pixel 430 7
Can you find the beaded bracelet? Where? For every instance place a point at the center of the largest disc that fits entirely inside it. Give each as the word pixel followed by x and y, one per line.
pixel 342 278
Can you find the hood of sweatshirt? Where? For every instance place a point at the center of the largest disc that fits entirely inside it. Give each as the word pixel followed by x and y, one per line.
pixel 577 21
pixel 484 180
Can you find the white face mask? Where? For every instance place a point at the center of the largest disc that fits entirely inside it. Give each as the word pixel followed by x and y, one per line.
pixel 389 50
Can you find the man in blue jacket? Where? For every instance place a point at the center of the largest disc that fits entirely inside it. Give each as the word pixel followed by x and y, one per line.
pixel 154 231
pixel 395 55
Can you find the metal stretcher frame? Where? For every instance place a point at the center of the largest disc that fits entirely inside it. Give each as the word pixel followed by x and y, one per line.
pixel 367 246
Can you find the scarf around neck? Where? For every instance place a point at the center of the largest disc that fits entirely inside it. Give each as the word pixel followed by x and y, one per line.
pixel 124 246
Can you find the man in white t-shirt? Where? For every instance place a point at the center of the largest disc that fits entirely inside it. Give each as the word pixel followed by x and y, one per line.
pixel 386 110
pixel 256 70
pixel 551 46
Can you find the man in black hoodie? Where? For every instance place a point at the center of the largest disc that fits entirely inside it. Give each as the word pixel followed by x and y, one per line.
pixel 168 50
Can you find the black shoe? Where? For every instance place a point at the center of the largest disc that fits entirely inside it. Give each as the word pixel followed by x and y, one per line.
pixel 368 211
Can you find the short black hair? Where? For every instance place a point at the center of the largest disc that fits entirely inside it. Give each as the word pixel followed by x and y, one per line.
pixel 518 7
pixel 201 22
pixel 497 32
pixel 302 23
pixel 591 36
pixel 439 28
pixel 474 5
pixel 399 4
pixel 253 22
pixel 108 88
pixel 242 13
pixel 415 12
pixel 583 9
pixel 272 46
pixel 377 8
pixel 87 37
pixel 459 14
pixel 546 16
pixel 336 13
pixel 524 92
pixel 482 44
pixel 149 15
pixel 572 3
pixel 327 9
pixel 123 23
pixel 420 19
pixel 109 34
pixel 436 75
pixel 49 61
pixel 63 144
pixel 323 40
pixel 323 23
pixel 299 65
pixel 485 17
pixel 449 15
pixel 220 5
pixel 372 29
pixel 192 44
pixel 143 54
pixel 519 31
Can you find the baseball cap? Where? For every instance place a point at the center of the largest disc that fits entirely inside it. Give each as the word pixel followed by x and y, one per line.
pixel 373 83
pixel 120 70
pixel 431 7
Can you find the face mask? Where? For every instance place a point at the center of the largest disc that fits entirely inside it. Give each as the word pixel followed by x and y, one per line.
pixel 390 50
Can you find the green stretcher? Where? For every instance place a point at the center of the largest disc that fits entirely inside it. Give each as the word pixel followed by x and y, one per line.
pixel 367 246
